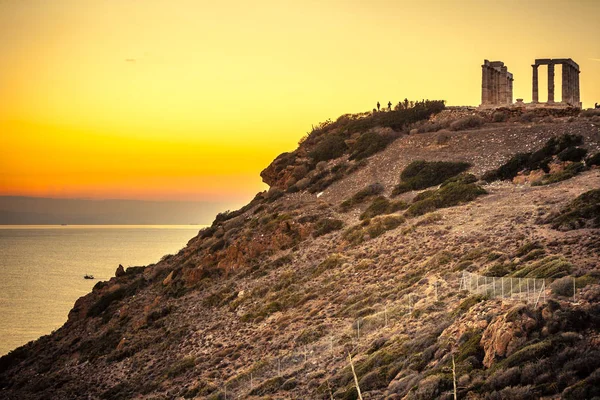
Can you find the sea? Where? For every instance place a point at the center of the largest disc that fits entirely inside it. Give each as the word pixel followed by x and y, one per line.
pixel 42 269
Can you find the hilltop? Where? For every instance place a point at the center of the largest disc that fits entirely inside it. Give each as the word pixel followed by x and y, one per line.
pixel 384 236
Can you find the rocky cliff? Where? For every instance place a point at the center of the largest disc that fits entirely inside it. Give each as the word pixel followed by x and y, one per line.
pixel 362 247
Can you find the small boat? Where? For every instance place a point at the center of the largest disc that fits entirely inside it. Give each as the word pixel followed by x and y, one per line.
pixel 88 276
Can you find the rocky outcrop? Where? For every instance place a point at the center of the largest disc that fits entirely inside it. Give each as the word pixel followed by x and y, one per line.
pixel 506 334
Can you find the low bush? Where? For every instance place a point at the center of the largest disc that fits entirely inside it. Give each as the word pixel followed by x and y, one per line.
pixel 568 172
pixel 593 160
pixel 563 286
pixel 372 228
pixel 423 174
pixel 362 195
pixel 548 267
pixel 572 154
pixel 583 212
pixel 536 160
pixel 449 195
pixel 327 225
pixel 329 148
pixel 499 116
pixel 368 144
pixel 527 247
pixel 472 121
pixel 466 304
pixel 590 113
pixel 381 206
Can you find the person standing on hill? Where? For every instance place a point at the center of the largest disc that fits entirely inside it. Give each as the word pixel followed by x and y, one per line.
pixel 389 106
pixel 378 105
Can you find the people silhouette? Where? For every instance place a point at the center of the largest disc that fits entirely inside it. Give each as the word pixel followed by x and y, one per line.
pixel 378 105
pixel 596 105
pixel 389 105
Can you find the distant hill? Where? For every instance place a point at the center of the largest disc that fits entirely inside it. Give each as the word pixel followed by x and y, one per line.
pixel 15 210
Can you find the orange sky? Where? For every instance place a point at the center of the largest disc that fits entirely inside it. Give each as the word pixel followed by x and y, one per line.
pixel 189 100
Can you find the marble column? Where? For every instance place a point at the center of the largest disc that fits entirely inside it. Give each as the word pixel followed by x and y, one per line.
pixel 566 83
pixel 534 89
pixel 485 92
pixel 510 90
pixel 550 83
pixel 577 99
pixel 502 86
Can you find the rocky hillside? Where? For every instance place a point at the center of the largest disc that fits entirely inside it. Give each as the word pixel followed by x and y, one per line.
pixel 362 248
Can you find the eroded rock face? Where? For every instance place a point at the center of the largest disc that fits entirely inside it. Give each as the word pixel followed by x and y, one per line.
pixel 506 334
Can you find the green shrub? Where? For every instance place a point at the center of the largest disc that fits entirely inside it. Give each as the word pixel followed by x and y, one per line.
pixel 590 113
pixel 269 386
pixel 568 172
pixel 449 195
pixel 472 121
pixel 460 178
pixel 532 352
pixel 532 161
pixel 381 206
pixel 466 304
pixel 499 116
pixel 583 212
pixel 572 154
pixel 330 147
pixel 372 228
pixel 527 247
pixel 563 286
pixel 548 267
pixel 469 346
pixel 362 195
pixel 508 170
pixel 500 269
pixel 327 225
pixel 593 160
pixel 423 174
pixel 368 144
pixel 181 366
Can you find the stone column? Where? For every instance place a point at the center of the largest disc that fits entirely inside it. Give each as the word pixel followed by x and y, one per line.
pixel 534 84
pixel 577 99
pixel 510 90
pixel 496 86
pixel 566 83
pixel 550 83
pixel 502 86
pixel 485 92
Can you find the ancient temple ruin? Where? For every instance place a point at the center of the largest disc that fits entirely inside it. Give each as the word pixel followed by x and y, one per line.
pixel 570 81
pixel 496 84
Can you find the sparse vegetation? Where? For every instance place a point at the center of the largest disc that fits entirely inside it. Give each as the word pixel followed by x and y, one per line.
pixel 382 205
pixel 327 225
pixel 361 196
pixel 473 121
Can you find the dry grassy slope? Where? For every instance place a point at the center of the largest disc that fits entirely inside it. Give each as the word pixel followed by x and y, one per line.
pixel 153 345
pixel 484 148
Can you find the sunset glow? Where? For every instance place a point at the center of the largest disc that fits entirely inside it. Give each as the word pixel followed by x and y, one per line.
pixel 190 100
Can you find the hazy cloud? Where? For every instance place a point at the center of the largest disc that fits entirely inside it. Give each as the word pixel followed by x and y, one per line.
pixel 595 59
pixel 130 60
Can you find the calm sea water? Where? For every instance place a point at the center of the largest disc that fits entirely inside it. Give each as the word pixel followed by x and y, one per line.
pixel 42 269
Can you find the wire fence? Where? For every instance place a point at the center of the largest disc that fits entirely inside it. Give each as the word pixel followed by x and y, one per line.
pixel 329 349
pixel 530 290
